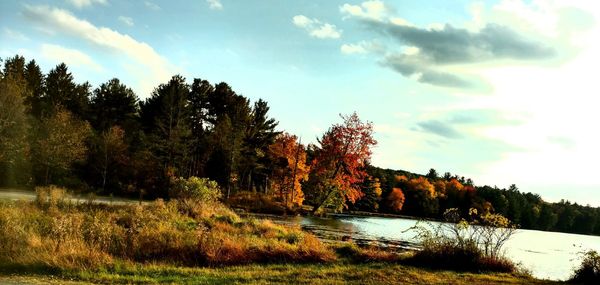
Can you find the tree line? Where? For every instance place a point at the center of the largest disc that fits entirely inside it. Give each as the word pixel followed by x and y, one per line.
pixel 106 140
pixel 402 192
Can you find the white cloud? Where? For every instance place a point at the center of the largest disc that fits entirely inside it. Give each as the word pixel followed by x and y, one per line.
pixel 155 68
pixel 152 5
pixel 372 10
pixel 86 3
pixel 215 4
pixel 126 20
pixel 316 28
pixel 72 57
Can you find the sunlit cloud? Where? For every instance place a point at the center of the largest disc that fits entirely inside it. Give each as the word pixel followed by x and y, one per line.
pixel 316 28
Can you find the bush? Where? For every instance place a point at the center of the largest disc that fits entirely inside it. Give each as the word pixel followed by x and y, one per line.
pixel 193 192
pixel 465 246
pixel 199 189
pixel 589 270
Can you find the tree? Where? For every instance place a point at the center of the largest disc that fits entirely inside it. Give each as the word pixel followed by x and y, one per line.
pixel 260 134
pixel 289 169
pixel 60 143
pixel 61 90
pixel 420 197
pixel 114 104
pixel 35 83
pixel 395 200
pixel 13 127
pixel 165 116
pixel 339 165
pixel 112 156
pixel 432 174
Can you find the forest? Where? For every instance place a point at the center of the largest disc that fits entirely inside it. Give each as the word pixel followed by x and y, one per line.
pixel 106 140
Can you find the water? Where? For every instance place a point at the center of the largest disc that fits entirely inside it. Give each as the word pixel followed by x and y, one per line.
pixel 548 255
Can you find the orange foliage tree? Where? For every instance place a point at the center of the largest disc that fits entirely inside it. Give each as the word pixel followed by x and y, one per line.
pixel 421 197
pixel 422 184
pixel 290 169
pixel 339 163
pixel 395 200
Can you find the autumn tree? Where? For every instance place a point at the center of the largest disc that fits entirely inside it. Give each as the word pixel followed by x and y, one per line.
pixel 395 200
pixel 60 143
pixel 421 199
pixel 288 170
pixel 339 163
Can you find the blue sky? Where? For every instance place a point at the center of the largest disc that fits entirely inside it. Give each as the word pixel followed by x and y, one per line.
pixel 500 91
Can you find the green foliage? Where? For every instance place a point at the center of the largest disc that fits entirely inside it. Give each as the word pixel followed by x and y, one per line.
pixel 194 188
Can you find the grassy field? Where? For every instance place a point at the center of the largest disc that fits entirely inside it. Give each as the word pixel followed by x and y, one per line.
pixel 52 240
pixel 331 273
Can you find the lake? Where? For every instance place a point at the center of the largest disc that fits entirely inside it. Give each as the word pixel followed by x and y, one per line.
pixel 548 255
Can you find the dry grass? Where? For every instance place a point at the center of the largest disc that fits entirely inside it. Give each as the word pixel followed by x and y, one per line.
pixel 65 236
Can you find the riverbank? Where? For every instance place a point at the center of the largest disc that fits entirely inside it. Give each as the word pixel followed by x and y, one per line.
pixel 333 273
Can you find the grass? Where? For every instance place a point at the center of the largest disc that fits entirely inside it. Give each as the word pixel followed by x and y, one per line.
pixel 329 273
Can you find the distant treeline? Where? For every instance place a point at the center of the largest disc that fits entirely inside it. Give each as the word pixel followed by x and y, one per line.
pixel 430 195
pixel 106 140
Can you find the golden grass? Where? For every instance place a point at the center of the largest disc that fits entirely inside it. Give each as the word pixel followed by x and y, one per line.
pixel 62 235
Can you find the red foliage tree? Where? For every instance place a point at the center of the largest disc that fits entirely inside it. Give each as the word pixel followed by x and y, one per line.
pixel 345 150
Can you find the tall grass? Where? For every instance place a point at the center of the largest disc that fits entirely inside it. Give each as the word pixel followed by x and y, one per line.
pixel 53 233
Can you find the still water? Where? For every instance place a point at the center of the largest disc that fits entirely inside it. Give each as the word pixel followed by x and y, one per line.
pixel 548 255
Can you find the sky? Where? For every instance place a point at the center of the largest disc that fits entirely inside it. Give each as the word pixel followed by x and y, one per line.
pixel 501 91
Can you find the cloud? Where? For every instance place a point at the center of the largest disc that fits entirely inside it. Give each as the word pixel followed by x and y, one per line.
pixel 439 128
pixel 316 28
pixel 455 45
pixel 442 55
pixel 86 3
pixel 361 47
pixel 72 57
pixel 152 6
pixel 215 4
pixel 369 10
pixel 126 20
pixel 155 67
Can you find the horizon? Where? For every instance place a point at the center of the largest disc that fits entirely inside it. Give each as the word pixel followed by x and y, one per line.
pixel 497 91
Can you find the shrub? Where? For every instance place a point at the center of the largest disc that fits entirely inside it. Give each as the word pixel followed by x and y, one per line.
pixel 200 189
pixel 589 270
pixel 193 192
pixel 466 246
